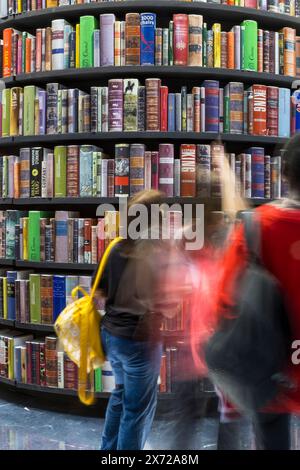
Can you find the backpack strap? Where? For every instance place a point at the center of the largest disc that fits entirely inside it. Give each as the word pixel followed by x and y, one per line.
pixel 252 235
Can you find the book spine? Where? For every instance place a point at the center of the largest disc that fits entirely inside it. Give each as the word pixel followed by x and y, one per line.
pixel 181 39
pixel 87 28
pixel 86 171
pixel 51 361
pixel 158 46
pixel 58 44
pixel 107 39
pixel 289 51
pixel 137 165
pixel 72 171
pixel 35 298
pixel 148 26
pixel 122 168
pixel 188 170
pixel 130 104
pixel 59 295
pixel 132 32
pixel 257 172
pixel 272 110
pixel 42 365
pixel 251 45
pixel 141 113
pixel 164 108
pixel 60 158
pixel 60 369
pixel 166 169
pixel 35 172
pixel 154 170
pixel 224 49
pixel 115 105
pixel 87 251
pixel 217 158
pixel 267 177
pixel 195 23
pixel 203 170
pixel 171 112
pixel 46 299
pixel 52 100
pixel 276 177
pixel 259 109
pixel 211 105
pixel 217 44
pixel 153 104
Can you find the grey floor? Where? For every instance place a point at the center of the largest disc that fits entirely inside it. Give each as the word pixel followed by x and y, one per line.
pixel 24 427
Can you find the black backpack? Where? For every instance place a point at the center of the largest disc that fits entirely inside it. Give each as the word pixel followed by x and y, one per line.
pixel 247 354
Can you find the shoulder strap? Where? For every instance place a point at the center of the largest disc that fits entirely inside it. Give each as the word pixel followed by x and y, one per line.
pixel 252 235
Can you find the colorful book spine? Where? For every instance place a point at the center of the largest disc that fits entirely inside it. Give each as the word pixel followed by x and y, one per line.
pixel 250 61
pixel 115 104
pixel 107 38
pixel 59 295
pixel 259 105
pixel 217 44
pixel 88 25
pixel 272 110
pixel 195 40
pixel 148 26
pixel 132 31
pixel 130 103
pixel 153 104
pixel 137 165
pixel 166 169
pixel 46 284
pixel 211 105
pixel 181 39
pixel 122 170
pixel 35 298
pixel 60 171
pixel 257 172
pixel 57 27
pixel 188 170
pixel 154 170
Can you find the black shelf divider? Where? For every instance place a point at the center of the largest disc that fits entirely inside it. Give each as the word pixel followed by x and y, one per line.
pixel 56 266
pixel 5 322
pixel 178 72
pixel 149 136
pixel 41 328
pixel 7 262
pixel 230 14
pixel 4 380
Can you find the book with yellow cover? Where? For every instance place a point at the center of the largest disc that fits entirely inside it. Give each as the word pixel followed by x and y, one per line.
pixel 217 44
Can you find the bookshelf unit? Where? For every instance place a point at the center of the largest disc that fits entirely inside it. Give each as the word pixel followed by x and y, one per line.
pixel 228 15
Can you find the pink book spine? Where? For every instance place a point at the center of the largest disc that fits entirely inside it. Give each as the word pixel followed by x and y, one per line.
pixel 19 56
pixel 154 170
pixel 166 169
pixel 251 3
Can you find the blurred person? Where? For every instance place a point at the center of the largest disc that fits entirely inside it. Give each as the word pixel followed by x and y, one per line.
pixel 136 301
pixel 279 224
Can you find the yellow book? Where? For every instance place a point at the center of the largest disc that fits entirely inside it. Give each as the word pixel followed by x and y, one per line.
pixel 111 225
pixel 19 7
pixel 11 358
pixel 25 238
pixel 52 3
pixel 217 44
pixel 5 298
pixel 77 56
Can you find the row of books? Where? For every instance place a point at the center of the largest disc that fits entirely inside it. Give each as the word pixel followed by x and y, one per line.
pixel 125 105
pixel 289 7
pixel 82 171
pixel 32 298
pixel 138 41
pixel 62 237
pixel 28 297
pixel 39 361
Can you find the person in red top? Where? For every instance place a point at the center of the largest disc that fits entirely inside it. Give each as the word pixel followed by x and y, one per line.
pixel 280 252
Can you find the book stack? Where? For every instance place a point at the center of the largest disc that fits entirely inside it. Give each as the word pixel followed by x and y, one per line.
pixel 61 237
pixel 137 40
pixel 291 7
pixel 125 105
pixel 188 170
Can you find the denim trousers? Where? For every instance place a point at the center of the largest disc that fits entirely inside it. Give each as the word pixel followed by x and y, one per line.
pixel 132 404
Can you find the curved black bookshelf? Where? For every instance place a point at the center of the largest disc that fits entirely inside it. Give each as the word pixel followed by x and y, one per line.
pixel 37 327
pixel 56 266
pixel 7 262
pixel 168 71
pixel 229 14
pixel 57 139
pixel 5 322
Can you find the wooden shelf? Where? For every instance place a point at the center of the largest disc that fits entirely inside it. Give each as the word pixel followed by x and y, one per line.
pixel 229 14
pixel 145 71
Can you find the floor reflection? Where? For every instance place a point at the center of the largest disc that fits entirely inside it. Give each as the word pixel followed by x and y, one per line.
pixel 23 428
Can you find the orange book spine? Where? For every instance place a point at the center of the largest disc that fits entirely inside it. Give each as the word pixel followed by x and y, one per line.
pixel 289 51
pixel 28 55
pixel 132 35
pixel 259 109
pixel 230 50
pixel 7 52
pixel 17 179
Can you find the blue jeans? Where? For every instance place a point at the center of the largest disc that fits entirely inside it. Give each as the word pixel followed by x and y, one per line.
pixel 132 404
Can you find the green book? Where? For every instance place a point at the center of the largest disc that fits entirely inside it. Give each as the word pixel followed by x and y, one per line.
pixel 6 96
pixel 98 380
pixel 5 176
pixel 250 45
pixel 34 239
pixel 60 171
pixel 88 24
pixel 24 37
pixel 35 298
pixel 130 104
pixel 28 109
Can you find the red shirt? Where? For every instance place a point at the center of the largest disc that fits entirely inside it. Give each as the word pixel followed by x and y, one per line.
pixel 280 251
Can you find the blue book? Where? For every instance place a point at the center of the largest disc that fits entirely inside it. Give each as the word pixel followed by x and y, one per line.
pixel 257 171
pixel 86 171
pixel 59 295
pixel 148 25
pixel 211 105
pixel 42 97
pixel 18 364
pixel 178 111
pixel 11 296
pixel 296 103
pixel 72 49
pixel 284 112
pixel 171 112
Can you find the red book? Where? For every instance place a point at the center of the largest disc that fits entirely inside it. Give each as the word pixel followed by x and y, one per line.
pixel 154 170
pixel 100 238
pixel 188 170
pixel 38 51
pixel 181 39
pixel 42 365
pixel 272 110
pixel 28 362
pixel 87 240
pixel 259 104
pixel 70 374
pixel 164 108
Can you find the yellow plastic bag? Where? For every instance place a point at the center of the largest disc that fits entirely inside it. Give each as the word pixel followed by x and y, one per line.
pixel 78 330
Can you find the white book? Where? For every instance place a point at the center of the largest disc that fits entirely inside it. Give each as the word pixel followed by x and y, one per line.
pixel 44 178
pixel 177 177
pixel 3 8
pixel 108 379
pixel 67 30
pixel 60 369
pixel 190 113
pixel 97 50
pixel 58 46
pixel 147 170
pixel 277 53
pixel 104 176
pixel 99 110
pixel 237 47
pixel 123 43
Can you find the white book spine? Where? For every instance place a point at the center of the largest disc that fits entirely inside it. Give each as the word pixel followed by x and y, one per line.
pixel 108 379
pixel 190 113
pixel 99 110
pixel 177 177
pixel 58 44
pixel 60 369
pixel 277 53
pixel 147 170
pixel 44 177
pixel 104 174
pixel 50 184
pixel 97 51
pixel 237 47
pixel 123 42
